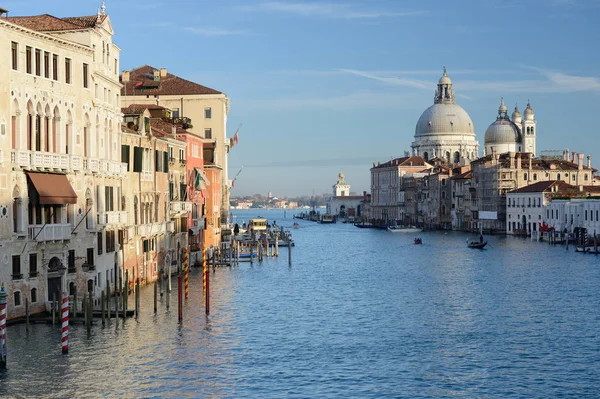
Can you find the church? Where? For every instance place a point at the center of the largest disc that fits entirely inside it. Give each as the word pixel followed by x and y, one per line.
pixel 342 204
pixel 511 135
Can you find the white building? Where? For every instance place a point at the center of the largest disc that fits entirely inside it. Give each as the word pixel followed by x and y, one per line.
pixel 516 135
pixel 445 130
pixel 60 157
pixel 342 204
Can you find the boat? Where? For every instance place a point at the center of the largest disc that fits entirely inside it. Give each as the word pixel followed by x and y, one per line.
pixel 364 225
pixel 258 224
pixel 327 218
pixel 476 244
pixel 418 240
pixel 401 229
pixel 296 225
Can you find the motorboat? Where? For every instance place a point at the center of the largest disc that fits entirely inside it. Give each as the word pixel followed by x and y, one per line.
pixel 402 229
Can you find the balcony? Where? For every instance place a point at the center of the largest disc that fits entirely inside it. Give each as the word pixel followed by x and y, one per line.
pixel 181 206
pixel 50 232
pixel 40 160
pixel 170 227
pixel 150 229
pixel 199 222
pixel 108 218
pixel 147 175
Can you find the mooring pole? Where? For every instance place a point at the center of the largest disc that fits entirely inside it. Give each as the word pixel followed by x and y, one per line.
pixel 2 328
pixel 65 323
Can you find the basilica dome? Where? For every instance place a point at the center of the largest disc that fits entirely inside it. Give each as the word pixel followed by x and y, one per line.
pixel 503 130
pixel 444 119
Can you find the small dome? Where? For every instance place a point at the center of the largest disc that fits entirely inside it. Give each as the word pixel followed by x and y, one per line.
pixel 516 114
pixel 448 119
pixel 528 111
pixel 444 80
pixel 502 131
pixel 502 106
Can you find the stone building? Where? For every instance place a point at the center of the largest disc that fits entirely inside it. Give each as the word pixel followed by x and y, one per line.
pixel 341 204
pixel 61 173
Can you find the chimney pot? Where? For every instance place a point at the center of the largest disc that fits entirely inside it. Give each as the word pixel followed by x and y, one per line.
pixel 589 163
pixel 125 76
pixel 163 72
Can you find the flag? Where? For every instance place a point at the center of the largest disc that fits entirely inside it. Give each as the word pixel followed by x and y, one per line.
pixel 232 182
pixel 235 138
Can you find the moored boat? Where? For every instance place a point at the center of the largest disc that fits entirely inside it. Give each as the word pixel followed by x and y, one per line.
pixel 327 218
pixel 401 229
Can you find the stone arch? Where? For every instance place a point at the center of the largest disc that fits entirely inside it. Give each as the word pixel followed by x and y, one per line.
pixel 456 157
pixel 56 136
pixel 46 137
pixel 447 156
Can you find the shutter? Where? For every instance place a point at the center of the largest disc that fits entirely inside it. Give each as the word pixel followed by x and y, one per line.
pixel 165 162
pixel 157 161
pixel 138 153
pixel 125 155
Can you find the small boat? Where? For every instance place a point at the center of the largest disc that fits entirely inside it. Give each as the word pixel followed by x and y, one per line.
pixel 586 248
pixel 327 218
pixel 400 229
pixel 418 240
pixel 296 225
pixel 258 224
pixel 476 244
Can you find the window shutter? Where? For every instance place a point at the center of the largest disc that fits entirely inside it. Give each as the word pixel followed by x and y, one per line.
pixel 138 153
pixel 157 161
pixel 166 162
pixel 125 155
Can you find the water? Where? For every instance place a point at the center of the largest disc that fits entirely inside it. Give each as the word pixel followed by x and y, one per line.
pixel 360 314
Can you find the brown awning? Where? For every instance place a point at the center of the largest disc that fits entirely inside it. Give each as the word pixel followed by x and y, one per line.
pixel 52 188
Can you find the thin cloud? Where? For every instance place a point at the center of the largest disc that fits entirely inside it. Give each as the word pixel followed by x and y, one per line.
pixel 204 31
pixel 419 84
pixel 311 163
pixel 325 10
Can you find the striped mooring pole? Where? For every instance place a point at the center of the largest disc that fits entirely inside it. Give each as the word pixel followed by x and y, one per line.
pixel 186 272
pixel 65 323
pixel 2 328
pixel 204 270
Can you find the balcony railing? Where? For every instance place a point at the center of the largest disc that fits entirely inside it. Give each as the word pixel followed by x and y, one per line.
pixel 170 227
pixel 181 206
pixel 65 162
pixel 150 229
pixel 50 232
pixel 147 175
pixel 112 217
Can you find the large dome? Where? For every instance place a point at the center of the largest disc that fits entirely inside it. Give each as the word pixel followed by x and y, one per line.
pixel 502 132
pixel 444 119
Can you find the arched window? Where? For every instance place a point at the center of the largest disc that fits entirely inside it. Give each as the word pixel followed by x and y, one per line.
pixel 443 195
pixel 534 176
pixel 456 157
pixel 33 295
pixel 17 298
pixel 585 177
pixel 426 156
pixel 558 176
pixel 71 288
pixel 532 130
pixel 524 176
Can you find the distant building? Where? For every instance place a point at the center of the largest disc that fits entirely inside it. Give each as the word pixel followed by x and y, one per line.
pixel 341 203
pixel 516 135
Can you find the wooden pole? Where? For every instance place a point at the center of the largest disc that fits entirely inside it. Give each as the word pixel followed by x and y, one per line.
pixel 64 317
pixel 277 247
pixel 75 302
pixel 289 252
pixel 102 298
pixel 207 294
pixel 26 314
pixel 2 328
pixel 88 309
pixel 179 298
pixel 155 296
pixel 53 308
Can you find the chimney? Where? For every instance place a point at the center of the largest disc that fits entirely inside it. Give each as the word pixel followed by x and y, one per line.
pixel 574 159
pixel 511 155
pixel 3 12
pixel 125 76
pixel 173 130
pixel 589 165
pixel 580 161
pixel 163 72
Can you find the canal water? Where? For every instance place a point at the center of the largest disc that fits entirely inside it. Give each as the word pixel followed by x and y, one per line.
pixel 361 313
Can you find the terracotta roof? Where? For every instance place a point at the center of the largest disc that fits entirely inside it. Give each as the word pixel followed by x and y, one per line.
pixel 404 161
pixel 165 127
pixel 49 23
pixel 559 186
pixel 465 175
pixel 137 109
pixel 141 82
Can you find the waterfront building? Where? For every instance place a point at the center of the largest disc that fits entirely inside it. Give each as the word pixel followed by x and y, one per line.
pixel 342 204
pixel 207 109
pixel 496 174
pixel 554 204
pixel 461 199
pixel 61 172
pixel 436 200
pixel 445 129
pixel 516 135
pixel 388 196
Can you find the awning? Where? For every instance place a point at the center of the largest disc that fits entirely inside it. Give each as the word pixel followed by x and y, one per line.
pixel 52 188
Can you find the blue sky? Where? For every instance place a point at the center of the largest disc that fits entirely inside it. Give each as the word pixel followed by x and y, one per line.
pixel 323 86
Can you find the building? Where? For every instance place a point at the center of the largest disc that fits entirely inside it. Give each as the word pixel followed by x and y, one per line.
pixel 389 200
pixel 445 130
pixel 516 135
pixel 61 175
pixel 342 204
pixel 206 110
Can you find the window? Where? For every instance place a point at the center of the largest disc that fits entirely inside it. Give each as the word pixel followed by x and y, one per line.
pixel 71 261
pixel 17 297
pixel 534 176
pixel 208 133
pixel 181 155
pixel 54 66
pixel 85 75
pixel 16 267
pixel 28 59
pixel 524 176
pixel 207 113
pixel 38 61
pixel 443 182
pixel 174 112
pixel 110 241
pixel 109 199
pixel 90 257
pixel 33 266
pixel 125 155
pixel 138 153
pixel 68 70
pixel 100 243
pixel 15 55
pixel 33 295
pixel 46 64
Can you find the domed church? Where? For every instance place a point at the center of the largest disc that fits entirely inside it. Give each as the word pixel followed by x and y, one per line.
pixel 445 130
pixel 506 135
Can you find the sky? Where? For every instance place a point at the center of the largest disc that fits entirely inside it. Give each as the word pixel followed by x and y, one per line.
pixel 319 87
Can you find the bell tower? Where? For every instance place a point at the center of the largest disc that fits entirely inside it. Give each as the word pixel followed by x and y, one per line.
pixel 341 188
pixel 528 130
